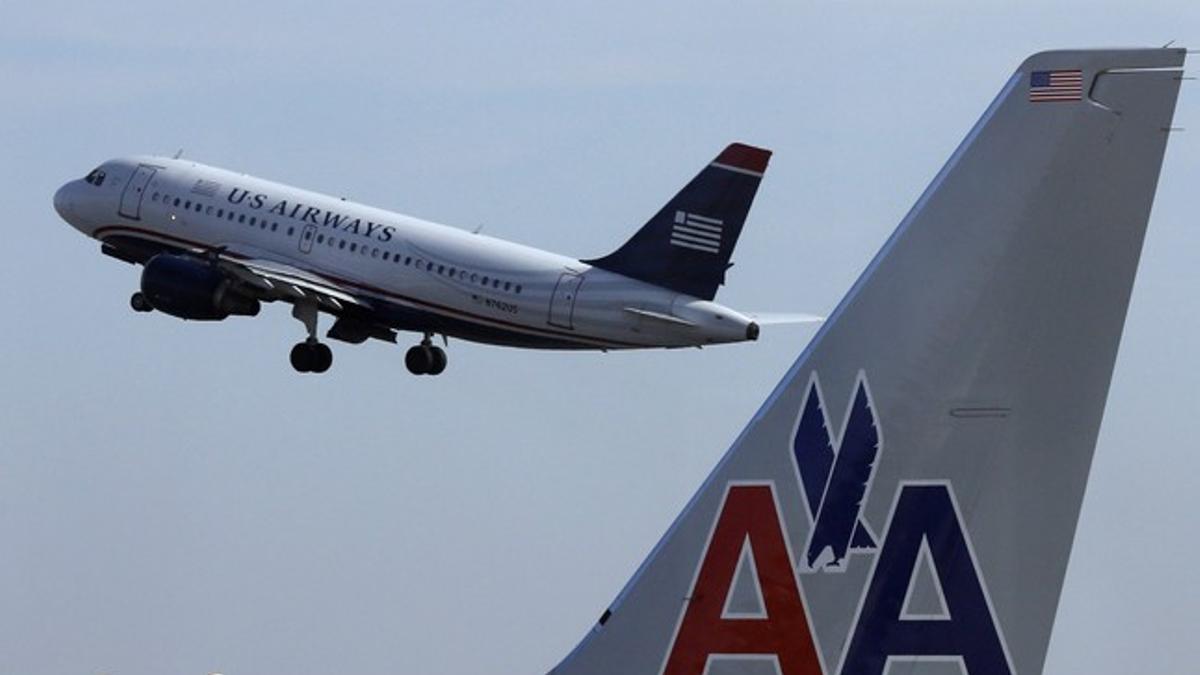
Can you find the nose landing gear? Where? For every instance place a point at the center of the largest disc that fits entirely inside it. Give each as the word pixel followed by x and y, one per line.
pixel 139 303
pixel 425 358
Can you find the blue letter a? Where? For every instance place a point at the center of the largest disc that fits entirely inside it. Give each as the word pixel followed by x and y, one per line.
pixel 925 513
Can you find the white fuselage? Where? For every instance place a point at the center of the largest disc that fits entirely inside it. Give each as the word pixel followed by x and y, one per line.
pixel 482 288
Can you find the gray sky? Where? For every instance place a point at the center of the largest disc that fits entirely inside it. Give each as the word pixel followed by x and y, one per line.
pixel 174 499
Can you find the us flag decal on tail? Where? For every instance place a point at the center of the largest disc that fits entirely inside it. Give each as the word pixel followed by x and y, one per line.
pixel 1055 85
pixel 699 233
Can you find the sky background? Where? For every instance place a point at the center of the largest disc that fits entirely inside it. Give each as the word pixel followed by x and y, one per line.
pixel 175 500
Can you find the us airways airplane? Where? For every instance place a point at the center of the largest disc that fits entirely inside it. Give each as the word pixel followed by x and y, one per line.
pixel 216 243
pixel 906 499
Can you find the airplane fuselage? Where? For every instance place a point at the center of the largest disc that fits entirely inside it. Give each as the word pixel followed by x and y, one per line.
pixel 415 275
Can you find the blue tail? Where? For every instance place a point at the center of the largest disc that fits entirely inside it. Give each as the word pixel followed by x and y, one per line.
pixel 686 246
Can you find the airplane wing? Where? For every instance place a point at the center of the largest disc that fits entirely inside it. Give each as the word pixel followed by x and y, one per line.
pixel 280 281
pixel 275 280
pixel 658 316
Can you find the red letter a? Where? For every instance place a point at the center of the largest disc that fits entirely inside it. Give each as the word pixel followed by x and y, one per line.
pixel 748 515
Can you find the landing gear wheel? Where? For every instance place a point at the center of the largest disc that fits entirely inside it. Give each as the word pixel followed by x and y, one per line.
pixel 322 357
pixel 425 359
pixel 302 358
pixel 139 303
pixel 438 362
pixel 419 360
pixel 311 357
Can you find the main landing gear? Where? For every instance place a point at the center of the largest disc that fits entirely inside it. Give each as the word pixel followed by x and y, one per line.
pixel 310 356
pixel 425 358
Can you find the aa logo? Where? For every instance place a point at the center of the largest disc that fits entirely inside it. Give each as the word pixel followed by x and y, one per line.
pixel 749 547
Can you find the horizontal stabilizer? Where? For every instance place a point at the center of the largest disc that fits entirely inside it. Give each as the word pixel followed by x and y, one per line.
pixel 775 318
pixel 658 316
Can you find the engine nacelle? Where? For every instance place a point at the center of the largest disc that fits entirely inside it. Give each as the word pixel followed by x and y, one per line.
pixel 190 288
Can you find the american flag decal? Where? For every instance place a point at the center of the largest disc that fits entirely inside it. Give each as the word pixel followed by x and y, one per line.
pixel 207 188
pixel 699 233
pixel 1055 85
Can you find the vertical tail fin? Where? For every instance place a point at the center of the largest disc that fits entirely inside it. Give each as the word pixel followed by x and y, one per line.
pixel 686 246
pixel 909 492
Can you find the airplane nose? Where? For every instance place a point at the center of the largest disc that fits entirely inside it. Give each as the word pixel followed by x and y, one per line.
pixel 63 202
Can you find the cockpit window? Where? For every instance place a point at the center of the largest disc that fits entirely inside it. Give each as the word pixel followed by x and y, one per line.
pixel 96 177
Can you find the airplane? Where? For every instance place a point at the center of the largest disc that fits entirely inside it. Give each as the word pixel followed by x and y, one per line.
pixel 906 498
pixel 214 243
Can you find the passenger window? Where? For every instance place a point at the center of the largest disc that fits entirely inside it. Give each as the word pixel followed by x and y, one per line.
pixel 507 285
pixel 230 216
pixel 220 213
pixel 291 230
pixel 187 206
pixel 474 277
pixel 342 244
pixel 484 281
pixel 353 246
pixel 374 252
pixel 308 235
pixel 495 283
pixel 385 255
pixel 199 207
pixel 252 220
pixel 241 217
pixel 274 226
pixel 518 289
pixel 320 237
pixel 177 201
pixel 208 211
pixel 441 269
pixel 408 260
pixel 154 198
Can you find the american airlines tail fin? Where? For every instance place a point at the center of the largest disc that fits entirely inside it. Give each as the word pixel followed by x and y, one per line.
pixel 686 246
pixel 907 496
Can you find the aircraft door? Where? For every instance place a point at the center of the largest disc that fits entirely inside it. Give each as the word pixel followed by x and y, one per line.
pixel 306 238
pixel 562 303
pixel 135 189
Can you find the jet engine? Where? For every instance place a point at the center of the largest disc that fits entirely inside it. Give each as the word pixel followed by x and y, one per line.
pixel 195 289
